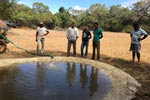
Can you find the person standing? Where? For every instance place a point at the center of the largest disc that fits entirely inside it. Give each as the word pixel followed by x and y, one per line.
pixel 41 31
pixel 136 35
pixel 97 32
pixel 72 35
pixel 86 35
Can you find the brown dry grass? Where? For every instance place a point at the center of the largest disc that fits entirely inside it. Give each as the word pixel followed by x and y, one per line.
pixel 114 50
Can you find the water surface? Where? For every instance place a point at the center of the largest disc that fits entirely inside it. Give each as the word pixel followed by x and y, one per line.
pixel 53 81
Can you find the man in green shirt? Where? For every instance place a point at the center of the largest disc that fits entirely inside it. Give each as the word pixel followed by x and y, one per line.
pixel 97 32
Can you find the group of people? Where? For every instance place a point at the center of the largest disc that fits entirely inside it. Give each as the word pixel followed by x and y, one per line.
pixel 72 35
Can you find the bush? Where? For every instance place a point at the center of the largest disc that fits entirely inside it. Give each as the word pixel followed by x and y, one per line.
pixel 127 29
pixel 146 28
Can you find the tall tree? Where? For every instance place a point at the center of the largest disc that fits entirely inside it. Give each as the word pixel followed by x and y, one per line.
pixel 42 13
pixel 142 13
pixel 6 9
pixel 61 10
pixel 40 8
pixel 118 18
pixel 142 9
pixel 100 13
pixel 64 17
pixel 74 12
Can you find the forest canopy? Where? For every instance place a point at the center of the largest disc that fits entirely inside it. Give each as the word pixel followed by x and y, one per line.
pixel 115 18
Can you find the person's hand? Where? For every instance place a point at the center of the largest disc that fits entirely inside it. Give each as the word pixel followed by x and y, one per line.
pixel 76 37
pixel 45 34
pixel 139 39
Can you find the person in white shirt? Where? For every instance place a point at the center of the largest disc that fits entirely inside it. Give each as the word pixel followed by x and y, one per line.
pixel 41 31
pixel 72 35
pixel 137 35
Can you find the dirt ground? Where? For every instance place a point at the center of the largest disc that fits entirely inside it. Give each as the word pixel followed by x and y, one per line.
pixel 114 51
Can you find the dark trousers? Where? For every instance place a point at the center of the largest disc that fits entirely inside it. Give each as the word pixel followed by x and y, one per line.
pixel 84 44
pixel 96 45
pixel 70 42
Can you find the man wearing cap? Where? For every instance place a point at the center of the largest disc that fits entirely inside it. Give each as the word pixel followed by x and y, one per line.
pixel 41 31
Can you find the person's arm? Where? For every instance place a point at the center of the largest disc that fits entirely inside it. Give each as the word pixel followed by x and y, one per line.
pixel 77 34
pixel 145 36
pixel 100 33
pixel 67 34
pixel 47 32
pixel 101 36
pixel 37 30
pixel 36 36
pixel 90 36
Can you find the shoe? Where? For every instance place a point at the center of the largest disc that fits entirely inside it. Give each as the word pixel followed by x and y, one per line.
pixel 42 51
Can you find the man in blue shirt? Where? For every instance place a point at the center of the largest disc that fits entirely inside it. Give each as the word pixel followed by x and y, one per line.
pixel 86 35
pixel 96 40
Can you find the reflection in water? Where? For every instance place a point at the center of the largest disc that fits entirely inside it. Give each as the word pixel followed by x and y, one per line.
pixel 70 73
pixel 6 86
pixel 93 81
pixel 4 76
pixel 63 81
pixel 83 75
pixel 40 72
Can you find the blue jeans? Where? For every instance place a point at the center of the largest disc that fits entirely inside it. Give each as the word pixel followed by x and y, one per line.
pixel 84 44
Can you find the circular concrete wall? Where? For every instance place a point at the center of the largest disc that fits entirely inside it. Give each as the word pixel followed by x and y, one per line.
pixel 123 87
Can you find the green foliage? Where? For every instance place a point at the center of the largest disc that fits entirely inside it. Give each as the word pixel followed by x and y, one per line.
pixel 114 25
pixel 119 17
pixel 22 15
pixel 86 20
pixel 141 9
pixel 99 13
pixel 6 9
pixel 116 18
pixel 40 8
pixel 62 10
pixel 127 28
pixel 63 17
pixel 74 12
